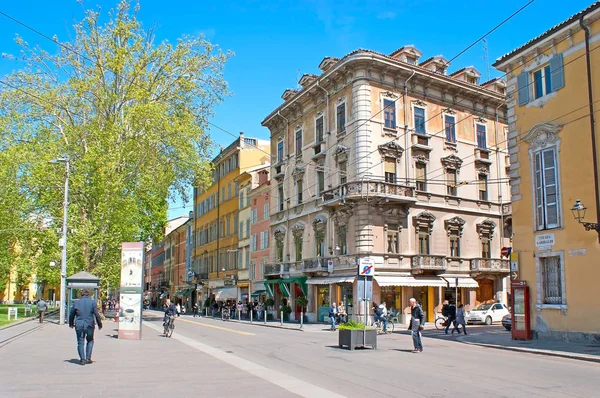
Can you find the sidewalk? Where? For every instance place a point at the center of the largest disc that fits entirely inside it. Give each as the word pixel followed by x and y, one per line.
pixel 584 351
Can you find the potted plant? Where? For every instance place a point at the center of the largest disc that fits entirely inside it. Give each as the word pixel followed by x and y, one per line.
pixel 302 302
pixel 352 334
pixel 269 303
pixel 287 310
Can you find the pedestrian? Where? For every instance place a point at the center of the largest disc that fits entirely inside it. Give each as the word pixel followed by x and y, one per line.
pixel 332 315
pixel 380 314
pixel 342 316
pixel 259 311
pixel 460 320
pixel 83 317
pixel 417 320
pixel 240 308
pixel 450 314
pixel 42 307
pixel 195 309
pixel 178 308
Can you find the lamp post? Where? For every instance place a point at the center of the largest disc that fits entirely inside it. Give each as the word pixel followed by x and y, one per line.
pixel 578 211
pixel 63 269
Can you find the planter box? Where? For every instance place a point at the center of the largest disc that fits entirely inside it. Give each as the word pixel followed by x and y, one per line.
pixel 354 338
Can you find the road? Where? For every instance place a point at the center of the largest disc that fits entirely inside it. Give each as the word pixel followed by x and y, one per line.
pixel 212 358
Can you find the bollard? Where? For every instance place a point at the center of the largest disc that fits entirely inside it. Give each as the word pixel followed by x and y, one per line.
pixel 265 316
pixel 206 311
pixel 239 316
pixel 301 319
pixel 251 312
pixel 281 318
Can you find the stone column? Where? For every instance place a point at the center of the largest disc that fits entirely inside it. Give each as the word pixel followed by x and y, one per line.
pixel 361 113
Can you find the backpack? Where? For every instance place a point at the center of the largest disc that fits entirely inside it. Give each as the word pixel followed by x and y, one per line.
pixel 445 311
pixel 378 311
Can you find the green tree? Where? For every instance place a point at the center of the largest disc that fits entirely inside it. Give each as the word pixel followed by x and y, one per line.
pixel 131 115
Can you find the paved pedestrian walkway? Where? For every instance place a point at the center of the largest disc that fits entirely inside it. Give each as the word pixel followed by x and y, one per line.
pixel 44 363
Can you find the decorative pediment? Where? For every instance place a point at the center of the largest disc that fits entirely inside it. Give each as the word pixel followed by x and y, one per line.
pixel 298 228
pixel 486 228
pixel 454 224
pixel 279 232
pixel 424 220
pixel 341 153
pixel 391 149
pixel 341 216
pixel 483 170
pixel 288 94
pixel 319 222
pixel 298 173
pixel 307 79
pixel 390 95
pixel 419 103
pixel 542 135
pixel 420 156
pixel 451 162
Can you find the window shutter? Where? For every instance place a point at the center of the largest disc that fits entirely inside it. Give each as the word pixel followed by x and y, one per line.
pixel 539 189
pixel 557 74
pixel 523 88
pixel 550 188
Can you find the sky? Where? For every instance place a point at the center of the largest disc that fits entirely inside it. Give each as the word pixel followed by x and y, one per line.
pixel 275 42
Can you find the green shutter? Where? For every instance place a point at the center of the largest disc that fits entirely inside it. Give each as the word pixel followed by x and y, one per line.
pixel 557 75
pixel 523 88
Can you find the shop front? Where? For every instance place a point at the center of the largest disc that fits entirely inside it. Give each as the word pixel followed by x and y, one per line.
pixel 244 291
pixel 225 294
pixel 284 293
pixel 327 290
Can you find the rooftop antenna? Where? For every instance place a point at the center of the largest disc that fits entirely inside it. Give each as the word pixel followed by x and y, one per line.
pixel 486 57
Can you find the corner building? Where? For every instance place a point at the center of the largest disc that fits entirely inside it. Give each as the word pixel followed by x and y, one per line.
pixel 393 158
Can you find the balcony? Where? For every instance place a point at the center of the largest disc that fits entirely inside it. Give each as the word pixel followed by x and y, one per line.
pixel 369 189
pixel 490 266
pixel 273 269
pixel 317 264
pixel 422 263
pixel 319 150
pixel 482 156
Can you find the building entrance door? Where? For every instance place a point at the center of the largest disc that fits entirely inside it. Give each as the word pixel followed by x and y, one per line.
pixel 485 291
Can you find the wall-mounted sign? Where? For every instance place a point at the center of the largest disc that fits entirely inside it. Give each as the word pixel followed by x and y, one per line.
pixel 577 252
pixel 544 241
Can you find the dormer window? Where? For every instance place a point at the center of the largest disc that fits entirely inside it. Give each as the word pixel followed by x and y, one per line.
pixel 411 60
pixel 440 69
pixel 471 79
pixel 408 54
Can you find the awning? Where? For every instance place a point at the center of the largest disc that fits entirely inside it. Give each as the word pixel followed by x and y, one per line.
pixel 331 279
pixel 257 293
pixel 462 281
pixel 410 281
pixel 226 293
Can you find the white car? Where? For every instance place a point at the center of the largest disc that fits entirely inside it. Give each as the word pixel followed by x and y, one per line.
pixel 487 313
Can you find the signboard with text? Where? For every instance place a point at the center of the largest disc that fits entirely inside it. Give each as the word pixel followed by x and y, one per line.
pixel 132 278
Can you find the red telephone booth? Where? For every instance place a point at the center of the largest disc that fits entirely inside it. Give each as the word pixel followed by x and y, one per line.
pixel 521 321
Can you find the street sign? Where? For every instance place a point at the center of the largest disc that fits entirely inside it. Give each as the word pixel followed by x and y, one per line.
pixel 365 288
pixel 505 251
pixel 330 266
pixel 366 267
pixel 514 262
pixel 514 275
pixel 519 283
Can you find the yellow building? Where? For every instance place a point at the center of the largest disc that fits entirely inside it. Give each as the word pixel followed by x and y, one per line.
pixel 216 223
pixel 553 89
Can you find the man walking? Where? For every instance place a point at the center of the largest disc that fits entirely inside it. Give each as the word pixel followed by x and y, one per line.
pixel 83 317
pixel 42 307
pixel 332 315
pixel 417 320
pixel 449 311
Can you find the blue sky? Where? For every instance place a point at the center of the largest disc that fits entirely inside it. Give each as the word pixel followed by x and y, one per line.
pixel 275 42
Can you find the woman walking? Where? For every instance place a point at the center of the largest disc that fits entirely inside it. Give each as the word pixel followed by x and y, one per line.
pixel 460 320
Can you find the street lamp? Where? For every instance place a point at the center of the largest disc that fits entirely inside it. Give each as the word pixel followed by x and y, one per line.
pixel 578 211
pixel 63 269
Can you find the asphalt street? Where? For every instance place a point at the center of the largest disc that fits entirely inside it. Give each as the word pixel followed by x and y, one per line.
pixel 212 358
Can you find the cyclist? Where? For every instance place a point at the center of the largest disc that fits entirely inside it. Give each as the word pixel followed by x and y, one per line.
pixel 169 309
pixel 380 314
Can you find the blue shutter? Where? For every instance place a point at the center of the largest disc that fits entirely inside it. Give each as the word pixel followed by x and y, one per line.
pixel 557 73
pixel 523 88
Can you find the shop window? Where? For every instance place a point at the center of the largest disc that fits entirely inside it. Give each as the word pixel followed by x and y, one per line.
pixel 323 295
pixel 392 297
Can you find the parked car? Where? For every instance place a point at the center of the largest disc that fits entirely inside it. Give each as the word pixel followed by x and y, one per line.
pixel 487 313
pixel 507 322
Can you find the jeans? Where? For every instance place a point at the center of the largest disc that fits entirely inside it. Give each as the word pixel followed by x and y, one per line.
pixel 86 333
pixel 450 321
pixel 332 318
pixel 381 318
pixel 416 335
pixel 41 316
pixel 259 315
pixel 456 329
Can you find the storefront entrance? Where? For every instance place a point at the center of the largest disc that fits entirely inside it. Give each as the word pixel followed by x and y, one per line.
pixel 485 291
pixel 322 302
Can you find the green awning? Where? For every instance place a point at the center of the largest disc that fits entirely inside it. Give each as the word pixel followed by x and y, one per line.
pixel 258 293
pixel 186 292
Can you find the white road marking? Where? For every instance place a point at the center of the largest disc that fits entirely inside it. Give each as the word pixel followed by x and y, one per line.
pixel 290 383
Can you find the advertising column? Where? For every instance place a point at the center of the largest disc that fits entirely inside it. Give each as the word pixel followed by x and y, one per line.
pixel 132 277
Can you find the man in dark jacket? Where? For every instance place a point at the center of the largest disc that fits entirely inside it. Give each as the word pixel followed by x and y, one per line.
pixel 83 317
pixel 417 320
pixel 449 311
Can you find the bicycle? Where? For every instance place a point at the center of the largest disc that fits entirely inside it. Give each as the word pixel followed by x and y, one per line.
pixel 378 325
pixel 441 322
pixel 169 326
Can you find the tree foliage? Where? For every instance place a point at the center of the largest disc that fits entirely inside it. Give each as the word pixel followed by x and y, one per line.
pixel 129 113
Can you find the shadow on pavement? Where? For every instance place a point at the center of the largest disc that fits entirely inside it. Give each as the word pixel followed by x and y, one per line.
pixel 408 350
pixel 73 361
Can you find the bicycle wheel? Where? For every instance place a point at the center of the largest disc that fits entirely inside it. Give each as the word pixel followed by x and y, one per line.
pixel 439 323
pixel 390 327
pixel 171 328
pixel 166 329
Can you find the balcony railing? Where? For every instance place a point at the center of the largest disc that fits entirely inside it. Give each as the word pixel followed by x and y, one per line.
pixel 314 264
pixel 426 262
pixel 369 188
pixel 492 265
pixel 273 269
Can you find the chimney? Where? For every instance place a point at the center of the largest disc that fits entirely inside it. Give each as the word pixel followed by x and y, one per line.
pixel 241 139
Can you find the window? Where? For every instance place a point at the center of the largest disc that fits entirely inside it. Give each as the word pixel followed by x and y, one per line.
pixel 254 216
pixel 253 242
pixel 390 170
pixel 223 195
pixel 264 240
pixel 389 113
pixel 281 199
pixel 319 129
pixel 298 246
pixel 551 273
pixel 228 225
pixel 542 81
pixel 247 227
pixel 451 182
pixel 471 79
pixel 298 142
pixel 421 176
pixel 393 239
pixel 341 238
pixel 228 191
pixel 247 262
pixel 419 115
pixel 321 182
pixel 341 117
pixel 486 251
pixel 279 250
pixel 411 60
pixel 423 235
pixel 266 211
pixel 299 189
pixel 241 230
pixel 280 152
pixel 546 189
pixel 454 244
pixel 241 198
pixel 483 187
pixel 481 136
pixel 320 242
pixel 450 125
pixel 342 172
pixel 542 84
